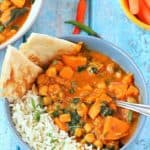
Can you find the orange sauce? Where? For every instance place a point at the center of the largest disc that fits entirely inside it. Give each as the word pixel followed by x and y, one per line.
pixel 84 102
pixel 11 29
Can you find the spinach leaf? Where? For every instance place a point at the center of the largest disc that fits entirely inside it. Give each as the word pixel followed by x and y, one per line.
pixel 105 110
pixel 74 123
pixel 75 100
pixel 94 70
pixel 2 28
pixel 32 1
pixel 15 13
pixel 55 113
pixel 15 27
pixel 75 118
pixel 81 68
pixel 71 90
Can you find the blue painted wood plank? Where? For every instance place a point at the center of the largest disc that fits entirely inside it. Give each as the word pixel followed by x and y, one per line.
pixel 6 137
pixel 50 21
pixel 53 15
pixel 108 19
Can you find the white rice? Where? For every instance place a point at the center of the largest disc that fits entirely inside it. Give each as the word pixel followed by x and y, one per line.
pixel 42 135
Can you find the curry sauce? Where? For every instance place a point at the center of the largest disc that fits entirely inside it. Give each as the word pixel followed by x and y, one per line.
pixel 79 92
pixel 13 14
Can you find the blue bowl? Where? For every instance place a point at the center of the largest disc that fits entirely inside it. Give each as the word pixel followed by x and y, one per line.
pixel 118 56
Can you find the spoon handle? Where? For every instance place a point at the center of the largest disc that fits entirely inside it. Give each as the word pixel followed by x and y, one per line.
pixel 140 108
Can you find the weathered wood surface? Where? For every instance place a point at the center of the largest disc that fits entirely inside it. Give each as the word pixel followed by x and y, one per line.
pixel 105 17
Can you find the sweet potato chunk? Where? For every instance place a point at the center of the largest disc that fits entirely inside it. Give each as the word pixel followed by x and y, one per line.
pixel 18 3
pixel 119 89
pixel 66 73
pixel 60 124
pixel 94 110
pixel 128 79
pixel 132 91
pixel 114 128
pixel 74 61
pixel 65 118
pixel 5 4
pixel 106 98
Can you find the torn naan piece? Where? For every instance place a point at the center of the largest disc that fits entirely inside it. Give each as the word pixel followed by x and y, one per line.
pixel 18 74
pixel 40 48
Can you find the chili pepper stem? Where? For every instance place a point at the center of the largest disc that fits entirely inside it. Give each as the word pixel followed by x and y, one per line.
pixel 83 27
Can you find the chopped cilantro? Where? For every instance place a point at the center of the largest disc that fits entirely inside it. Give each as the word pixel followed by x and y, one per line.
pixel 105 110
pixel 2 28
pixel 81 68
pixel 33 104
pixel 71 90
pixel 36 116
pixel 75 100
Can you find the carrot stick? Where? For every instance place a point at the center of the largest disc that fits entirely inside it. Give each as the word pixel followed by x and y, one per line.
pixel 81 10
pixel 134 6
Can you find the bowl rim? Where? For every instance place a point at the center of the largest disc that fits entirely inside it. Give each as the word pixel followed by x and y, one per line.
pixel 36 7
pixel 131 17
pixel 142 118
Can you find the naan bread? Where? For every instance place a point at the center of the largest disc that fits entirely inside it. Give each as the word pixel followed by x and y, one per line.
pixel 40 48
pixel 18 74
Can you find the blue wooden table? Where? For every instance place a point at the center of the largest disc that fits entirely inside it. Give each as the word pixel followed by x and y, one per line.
pixel 105 17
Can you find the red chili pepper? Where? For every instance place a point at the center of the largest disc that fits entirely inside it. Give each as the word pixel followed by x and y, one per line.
pixel 81 10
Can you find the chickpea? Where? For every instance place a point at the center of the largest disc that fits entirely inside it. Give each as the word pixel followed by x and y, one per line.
pixel 110 68
pixel 78 132
pixel 90 138
pixel 46 101
pixel 88 127
pixel 43 90
pixel 51 72
pixel 50 109
pixel 101 85
pixel 118 74
pixel 98 144
pixel 82 110
pixel 42 79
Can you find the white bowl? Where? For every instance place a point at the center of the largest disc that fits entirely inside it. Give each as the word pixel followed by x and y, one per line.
pixel 26 26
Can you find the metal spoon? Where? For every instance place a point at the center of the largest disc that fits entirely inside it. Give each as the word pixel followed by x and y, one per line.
pixel 140 108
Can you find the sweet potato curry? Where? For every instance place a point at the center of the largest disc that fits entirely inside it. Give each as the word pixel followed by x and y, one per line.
pixel 13 14
pixel 79 92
